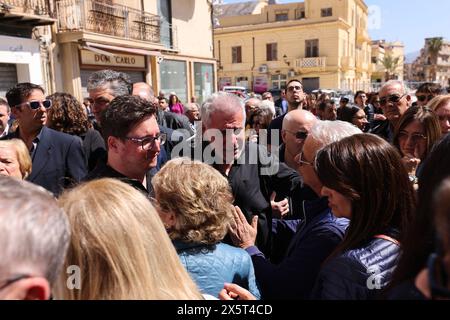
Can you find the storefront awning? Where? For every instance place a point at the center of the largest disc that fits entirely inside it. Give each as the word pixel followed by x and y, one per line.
pixel 93 46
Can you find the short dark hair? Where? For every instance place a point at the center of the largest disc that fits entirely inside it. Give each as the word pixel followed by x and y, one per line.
pixel 430 87
pixel 17 94
pixel 358 93
pixel 325 104
pixel 292 80
pixel 347 113
pixel 123 114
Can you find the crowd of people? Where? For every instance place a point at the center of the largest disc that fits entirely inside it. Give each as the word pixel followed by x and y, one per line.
pixel 129 195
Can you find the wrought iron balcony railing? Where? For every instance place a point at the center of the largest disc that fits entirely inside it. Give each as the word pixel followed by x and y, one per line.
pixel 114 20
pixel 35 7
pixel 317 62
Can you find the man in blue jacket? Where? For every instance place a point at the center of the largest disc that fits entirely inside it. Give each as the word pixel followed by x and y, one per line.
pixel 313 239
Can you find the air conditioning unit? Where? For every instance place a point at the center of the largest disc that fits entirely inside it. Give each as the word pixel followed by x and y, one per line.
pixel 263 68
pixel 291 73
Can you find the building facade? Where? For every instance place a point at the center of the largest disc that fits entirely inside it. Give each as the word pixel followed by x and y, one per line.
pixel 324 43
pixel 24 40
pixel 432 69
pixel 382 49
pixel 166 43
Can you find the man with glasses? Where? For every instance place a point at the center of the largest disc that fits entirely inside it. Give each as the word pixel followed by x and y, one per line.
pixel 426 92
pixel 133 141
pixel 316 237
pixel 57 158
pixel 34 237
pixel 295 98
pixel 394 101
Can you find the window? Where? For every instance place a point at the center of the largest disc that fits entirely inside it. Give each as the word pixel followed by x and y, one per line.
pixel 300 14
pixel 278 81
pixel 271 52
pixel 236 54
pixel 281 17
pixel 327 12
pixel 374 60
pixel 312 48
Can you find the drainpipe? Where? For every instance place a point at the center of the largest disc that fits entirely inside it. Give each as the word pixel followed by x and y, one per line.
pixel 253 66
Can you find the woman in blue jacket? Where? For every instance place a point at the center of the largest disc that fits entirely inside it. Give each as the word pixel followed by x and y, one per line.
pixel 196 205
pixel 366 182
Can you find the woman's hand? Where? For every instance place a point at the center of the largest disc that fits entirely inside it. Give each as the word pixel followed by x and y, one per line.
pixel 242 233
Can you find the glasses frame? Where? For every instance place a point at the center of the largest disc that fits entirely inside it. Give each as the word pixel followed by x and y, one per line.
pixel 162 137
pixel 394 98
pixel 302 162
pixel 425 97
pixel 296 134
pixel 36 104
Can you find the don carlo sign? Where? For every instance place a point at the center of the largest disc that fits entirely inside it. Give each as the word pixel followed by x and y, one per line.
pixel 114 60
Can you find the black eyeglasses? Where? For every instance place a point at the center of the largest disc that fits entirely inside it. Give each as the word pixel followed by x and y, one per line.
pixel 300 135
pixel 148 143
pixel 37 104
pixel 296 88
pixel 13 279
pixel 423 98
pixel 394 98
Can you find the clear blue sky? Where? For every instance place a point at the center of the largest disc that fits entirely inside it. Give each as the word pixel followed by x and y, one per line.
pixel 409 21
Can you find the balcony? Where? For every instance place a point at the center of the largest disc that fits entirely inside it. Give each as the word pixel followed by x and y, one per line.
pixel 28 13
pixel 311 64
pixel 114 20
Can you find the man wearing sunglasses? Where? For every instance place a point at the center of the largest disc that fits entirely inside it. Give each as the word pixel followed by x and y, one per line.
pixel 394 101
pixel 426 92
pixel 57 158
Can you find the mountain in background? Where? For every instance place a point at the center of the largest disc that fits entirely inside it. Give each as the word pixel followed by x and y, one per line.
pixel 410 57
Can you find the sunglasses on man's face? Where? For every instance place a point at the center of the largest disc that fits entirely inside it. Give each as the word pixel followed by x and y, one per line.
pixel 37 104
pixel 423 98
pixel 394 98
pixel 300 135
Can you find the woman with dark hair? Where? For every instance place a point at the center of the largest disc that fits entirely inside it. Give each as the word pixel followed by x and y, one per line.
pixel 355 116
pixel 366 182
pixel 416 133
pixel 175 104
pixel 419 242
pixel 69 116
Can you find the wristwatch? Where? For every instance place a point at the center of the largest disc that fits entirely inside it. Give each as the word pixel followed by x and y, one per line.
pixel 413 179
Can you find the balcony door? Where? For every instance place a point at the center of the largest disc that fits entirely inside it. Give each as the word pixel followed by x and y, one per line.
pixel 165 12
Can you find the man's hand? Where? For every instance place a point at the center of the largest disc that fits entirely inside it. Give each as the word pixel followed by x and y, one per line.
pixel 232 291
pixel 279 209
pixel 242 233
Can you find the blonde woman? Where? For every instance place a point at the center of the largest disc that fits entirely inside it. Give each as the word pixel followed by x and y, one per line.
pixel 441 106
pixel 120 246
pixel 195 203
pixel 15 160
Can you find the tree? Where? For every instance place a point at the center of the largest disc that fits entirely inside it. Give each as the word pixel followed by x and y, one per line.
pixel 434 45
pixel 390 64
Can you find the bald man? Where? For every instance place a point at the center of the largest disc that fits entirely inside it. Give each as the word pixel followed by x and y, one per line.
pixel 295 129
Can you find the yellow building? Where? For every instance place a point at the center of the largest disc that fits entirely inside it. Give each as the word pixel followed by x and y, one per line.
pixel 166 43
pixel 323 43
pixel 381 49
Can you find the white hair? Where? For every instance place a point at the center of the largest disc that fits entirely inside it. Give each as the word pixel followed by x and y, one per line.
pixel 392 83
pixel 327 132
pixel 268 105
pixel 222 102
pixel 34 231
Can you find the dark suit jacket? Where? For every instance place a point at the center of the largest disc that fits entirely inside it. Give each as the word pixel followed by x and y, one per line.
pixel 58 161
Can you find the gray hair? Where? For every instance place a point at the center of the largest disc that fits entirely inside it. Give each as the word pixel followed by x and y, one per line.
pixel 327 132
pixel 268 105
pixel 222 102
pixel 118 82
pixel 391 83
pixel 3 102
pixel 34 231
pixel 190 106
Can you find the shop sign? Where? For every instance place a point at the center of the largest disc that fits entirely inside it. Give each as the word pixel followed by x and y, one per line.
pixel 116 60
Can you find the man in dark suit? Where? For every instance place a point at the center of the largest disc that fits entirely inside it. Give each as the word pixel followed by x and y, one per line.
pixel 58 158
